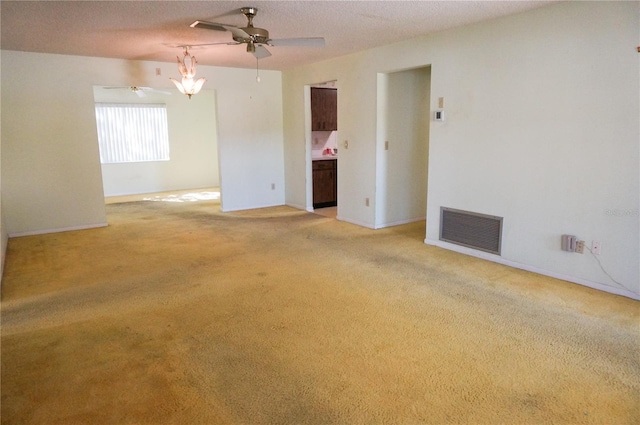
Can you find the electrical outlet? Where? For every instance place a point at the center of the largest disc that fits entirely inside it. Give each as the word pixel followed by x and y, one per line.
pixel 595 247
pixel 366 202
pixel 346 144
pixel 580 247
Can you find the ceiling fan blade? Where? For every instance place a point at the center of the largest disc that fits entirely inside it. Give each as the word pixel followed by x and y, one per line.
pixel 134 89
pixel 139 90
pixel 302 42
pixel 261 52
pixel 237 32
pixel 230 43
pixel 208 25
pixel 150 89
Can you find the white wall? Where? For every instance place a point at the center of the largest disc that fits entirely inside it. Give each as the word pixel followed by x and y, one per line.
pixel 51 176
pixel 4 237
pixel 50 164
pixel 193 144
pixel 542 129
pixel 250 138
pixel 356 106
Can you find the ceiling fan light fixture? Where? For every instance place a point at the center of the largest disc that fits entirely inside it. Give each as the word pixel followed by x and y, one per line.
pixel 187 69
pixel 188 85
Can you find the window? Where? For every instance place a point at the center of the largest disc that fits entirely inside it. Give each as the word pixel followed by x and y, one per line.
pixel 132 132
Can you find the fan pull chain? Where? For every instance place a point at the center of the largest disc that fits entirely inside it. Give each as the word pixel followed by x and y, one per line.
pixel 257 72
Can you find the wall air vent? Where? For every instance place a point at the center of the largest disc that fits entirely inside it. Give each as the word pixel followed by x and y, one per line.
pixel 473 230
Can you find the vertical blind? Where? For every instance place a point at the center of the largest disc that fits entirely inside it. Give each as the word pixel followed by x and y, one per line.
pixel 132 132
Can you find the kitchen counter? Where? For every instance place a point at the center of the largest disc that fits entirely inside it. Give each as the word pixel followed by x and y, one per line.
pixel 325 157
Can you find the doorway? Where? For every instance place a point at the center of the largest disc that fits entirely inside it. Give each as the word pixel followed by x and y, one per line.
pixel 322 133
pixel 191 134
pixel 402 149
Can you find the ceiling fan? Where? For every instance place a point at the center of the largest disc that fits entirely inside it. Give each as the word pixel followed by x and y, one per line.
pixel 138 90
pixel 255 38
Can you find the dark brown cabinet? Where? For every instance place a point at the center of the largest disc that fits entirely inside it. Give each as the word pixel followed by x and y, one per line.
pixel 325 183
pixel 324 109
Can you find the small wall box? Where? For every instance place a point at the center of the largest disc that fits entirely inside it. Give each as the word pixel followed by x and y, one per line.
pixel 439 115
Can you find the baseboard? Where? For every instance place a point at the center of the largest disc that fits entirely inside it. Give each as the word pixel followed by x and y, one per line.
pixel 257 207
pixel 497 259
pixel 401 222
pixel 357 223
pixel 298 207
pixel 58 230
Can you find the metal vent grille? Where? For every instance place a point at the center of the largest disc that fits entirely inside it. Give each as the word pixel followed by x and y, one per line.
pixel 473 230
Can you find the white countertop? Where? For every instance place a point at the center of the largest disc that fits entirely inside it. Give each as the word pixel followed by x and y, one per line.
pixel 321 158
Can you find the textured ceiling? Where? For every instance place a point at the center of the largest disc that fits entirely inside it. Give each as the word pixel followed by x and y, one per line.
pixel 152 30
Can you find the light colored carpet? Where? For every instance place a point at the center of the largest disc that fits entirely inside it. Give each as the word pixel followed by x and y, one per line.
pixel 179 314
pixel 330 212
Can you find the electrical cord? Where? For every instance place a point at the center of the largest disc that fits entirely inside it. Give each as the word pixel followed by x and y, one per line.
pixel 605 272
